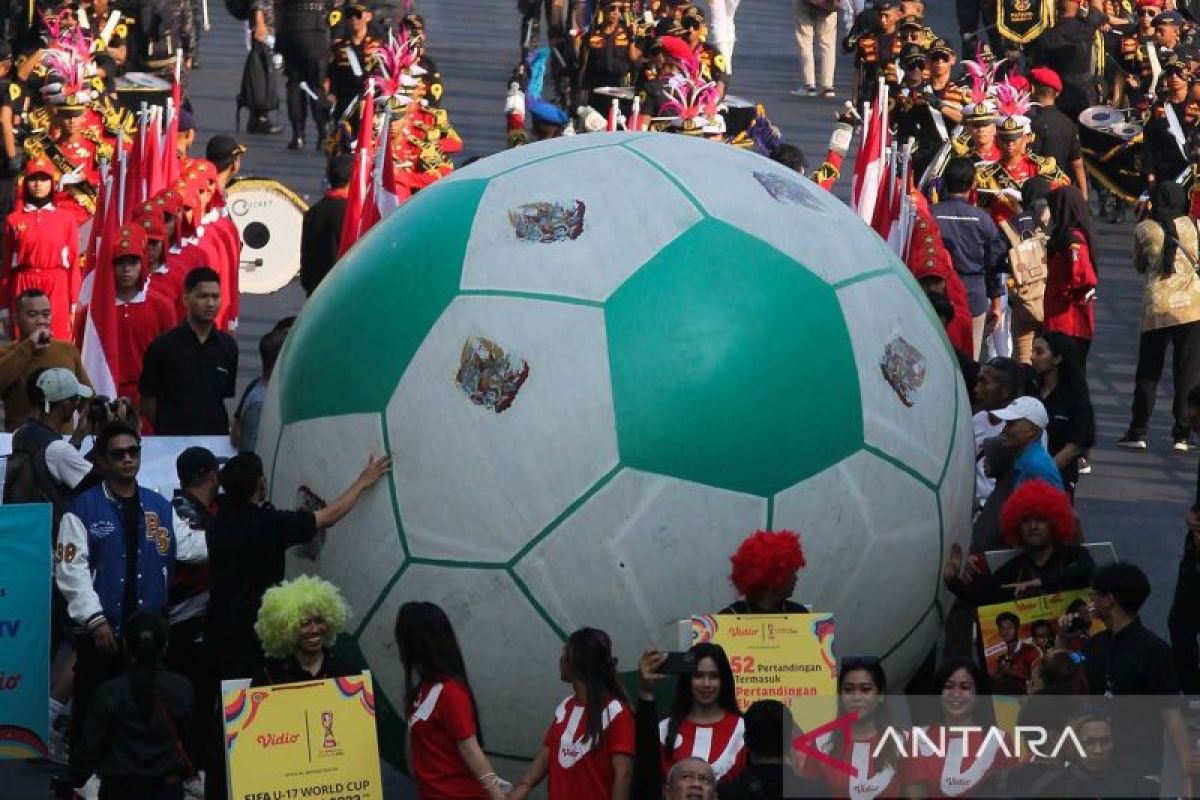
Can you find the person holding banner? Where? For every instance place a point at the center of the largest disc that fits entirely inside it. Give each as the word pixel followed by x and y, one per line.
pixel 704 722
pixel 862 690
pixel 588 750
pixel 298 622
pixel 765 567
pixel 448 762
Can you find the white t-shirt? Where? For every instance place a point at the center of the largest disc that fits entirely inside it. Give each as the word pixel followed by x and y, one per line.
pixel 66 464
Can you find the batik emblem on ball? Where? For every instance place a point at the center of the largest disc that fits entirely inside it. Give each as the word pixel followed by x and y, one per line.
pixel 783 190
pixel 904 369
pixel 490 377
pixel 547 223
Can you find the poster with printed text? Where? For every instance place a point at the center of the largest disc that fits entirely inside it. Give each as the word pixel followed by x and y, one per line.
pixel 24 629
pixel 785 657
pixel 305 740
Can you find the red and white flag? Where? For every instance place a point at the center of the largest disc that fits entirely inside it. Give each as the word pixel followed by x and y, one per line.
pixel 871 164
pixel 100 338
pixel 360 173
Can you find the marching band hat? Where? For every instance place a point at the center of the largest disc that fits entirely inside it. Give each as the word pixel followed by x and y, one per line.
pixel 1013 127
pixel 886 5
pixel 911 54
pixel 1168 18
pixel 911 21
pixel 131 241
pixel 981 113
pixel 1046 77
pixel 940 46
pixel 222 148
pixel 548 113
pixel 1149 4
pixel 39 166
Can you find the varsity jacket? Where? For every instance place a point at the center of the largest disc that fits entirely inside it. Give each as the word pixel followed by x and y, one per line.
pixel 90 555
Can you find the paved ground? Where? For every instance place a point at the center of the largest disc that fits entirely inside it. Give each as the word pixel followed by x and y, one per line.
pixel 1135 500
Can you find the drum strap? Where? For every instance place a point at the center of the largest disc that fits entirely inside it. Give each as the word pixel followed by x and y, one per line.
pixel 1155 66
pixel 939 122
pixel 1175 128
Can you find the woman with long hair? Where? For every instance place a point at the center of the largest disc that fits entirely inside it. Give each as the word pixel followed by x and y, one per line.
pixel 704 721
pixel 445 740
pixel 1063 390
pixel 862 688
pixel 588 750
pixel 131 736
pixel 965 760
pixel 1071 271
pixel 1166 249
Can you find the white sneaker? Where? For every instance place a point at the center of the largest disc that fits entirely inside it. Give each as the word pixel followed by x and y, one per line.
pixel 193 787
pixel 804 91
pixel 1181 446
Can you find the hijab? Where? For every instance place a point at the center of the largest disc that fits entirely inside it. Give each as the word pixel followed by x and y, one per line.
pixel 1068 214
pixel 1168 202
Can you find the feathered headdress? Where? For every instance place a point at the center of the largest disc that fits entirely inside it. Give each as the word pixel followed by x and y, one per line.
pixel 396 71
pixel 541 109
pixel 1013 105
pixel 69 70
pixel 693 101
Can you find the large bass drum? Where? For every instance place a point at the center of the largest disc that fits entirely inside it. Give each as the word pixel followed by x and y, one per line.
pixel 1112 151
pixel 268 216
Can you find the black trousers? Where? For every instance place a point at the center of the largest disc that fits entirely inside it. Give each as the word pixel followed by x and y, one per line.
pixel 187 656
pixel 305 61
pixel 92 669
pixel 969 14
pixel 1184 341
pixel 141 788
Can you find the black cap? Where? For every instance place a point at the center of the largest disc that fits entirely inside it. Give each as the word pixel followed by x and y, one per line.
pixel 912 21
pixel 5 50
pixel 194 463
pixel 886 5
pixel 1168 18
pixel 223 148
pixel 338 171
pixel 912 53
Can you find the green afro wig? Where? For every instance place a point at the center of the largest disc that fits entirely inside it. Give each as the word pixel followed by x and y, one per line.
pixel 285 605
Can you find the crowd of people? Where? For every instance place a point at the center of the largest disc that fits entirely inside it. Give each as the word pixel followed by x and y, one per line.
pixel 157 600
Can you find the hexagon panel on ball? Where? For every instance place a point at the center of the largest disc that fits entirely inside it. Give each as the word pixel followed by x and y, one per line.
pixel 600 362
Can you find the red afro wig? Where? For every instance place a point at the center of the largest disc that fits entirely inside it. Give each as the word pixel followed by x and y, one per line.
pixel 765 561
pixel 1038 500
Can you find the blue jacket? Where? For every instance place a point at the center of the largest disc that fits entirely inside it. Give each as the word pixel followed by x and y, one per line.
pixel 91 556
pixel 977 248
pixel 1035 463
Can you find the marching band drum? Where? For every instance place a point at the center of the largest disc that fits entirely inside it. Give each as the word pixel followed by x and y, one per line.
pixel 268 216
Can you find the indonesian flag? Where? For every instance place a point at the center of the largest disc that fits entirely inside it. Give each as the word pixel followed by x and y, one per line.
pixel 100 345
pixel 360 174
pixel 170 159
pixel 153 176
pixel 871 164
pixel 384 196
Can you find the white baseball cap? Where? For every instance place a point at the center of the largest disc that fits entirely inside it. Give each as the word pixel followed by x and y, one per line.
pixel 1029 408
pixel 57 384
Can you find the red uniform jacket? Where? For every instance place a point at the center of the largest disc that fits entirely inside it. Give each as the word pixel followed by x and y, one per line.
pixel 139 321
pixel 41 251
pixel 1070 289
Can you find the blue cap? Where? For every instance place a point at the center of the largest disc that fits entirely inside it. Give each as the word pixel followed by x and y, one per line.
pixel 1168 18
pixel 547 113
pixel 186 123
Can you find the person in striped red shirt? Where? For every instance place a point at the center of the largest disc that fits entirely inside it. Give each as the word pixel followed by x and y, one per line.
pixel 704 721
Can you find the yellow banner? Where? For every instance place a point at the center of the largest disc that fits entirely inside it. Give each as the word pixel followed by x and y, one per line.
pixel 305 740
pixel 784 657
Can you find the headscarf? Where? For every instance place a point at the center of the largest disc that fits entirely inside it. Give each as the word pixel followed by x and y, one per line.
pixel 1168 202
pixel 1068 214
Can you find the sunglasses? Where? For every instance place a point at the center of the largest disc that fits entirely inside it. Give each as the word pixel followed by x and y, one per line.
pixel 121 453
pixel 940 57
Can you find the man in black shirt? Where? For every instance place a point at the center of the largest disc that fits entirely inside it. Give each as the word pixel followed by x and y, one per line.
pixel 1173 119
pixel 247 542
pixel 1127 659
pixel 1054 133
pixel 1067 49
pixel 190 370
pixel 321 231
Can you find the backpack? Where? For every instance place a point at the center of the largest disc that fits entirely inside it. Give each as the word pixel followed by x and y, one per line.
pixel 27 478
pixel 238 9
pixel 260 92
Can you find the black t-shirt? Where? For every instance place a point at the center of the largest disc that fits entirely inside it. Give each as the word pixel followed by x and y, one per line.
pixel 1067 47
pixel 1055 135
pixel 246 546
pixel 190 380
pixel 1070 423
pixel 1134 662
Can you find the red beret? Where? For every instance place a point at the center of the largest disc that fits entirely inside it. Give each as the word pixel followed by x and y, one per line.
pixel 1046 77
pixel 1149 4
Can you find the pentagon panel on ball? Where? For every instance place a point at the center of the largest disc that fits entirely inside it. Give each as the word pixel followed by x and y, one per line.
pixel 599 362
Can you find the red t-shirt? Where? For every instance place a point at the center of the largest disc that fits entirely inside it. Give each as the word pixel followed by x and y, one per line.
pixel 964 765
pixel 440 718
pixel 582 770
pixel 872 781
pixel 720 744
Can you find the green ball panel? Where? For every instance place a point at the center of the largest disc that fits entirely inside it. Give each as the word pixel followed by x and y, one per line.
pixel 731 365
pixel 415 256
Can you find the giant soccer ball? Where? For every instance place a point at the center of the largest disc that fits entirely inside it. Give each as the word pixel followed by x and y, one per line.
pixel 599 363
